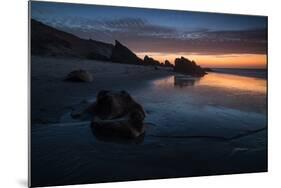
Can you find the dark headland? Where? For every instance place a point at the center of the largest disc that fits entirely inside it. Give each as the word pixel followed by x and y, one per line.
pixel 50 42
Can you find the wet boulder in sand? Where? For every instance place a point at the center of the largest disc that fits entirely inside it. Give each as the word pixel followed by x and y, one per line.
pixel 79 76
pixel 117 114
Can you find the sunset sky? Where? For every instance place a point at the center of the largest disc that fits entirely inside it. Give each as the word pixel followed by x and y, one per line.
pixel 212 40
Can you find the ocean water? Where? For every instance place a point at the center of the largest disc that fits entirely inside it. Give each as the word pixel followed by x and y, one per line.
pixel 259 73
pixel 195 126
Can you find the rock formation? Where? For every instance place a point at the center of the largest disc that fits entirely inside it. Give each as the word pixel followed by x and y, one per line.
pixel 185 66
pixel 168 64
pixel 150 61
pixel 122 54
pixel 117 114
pixel 49 41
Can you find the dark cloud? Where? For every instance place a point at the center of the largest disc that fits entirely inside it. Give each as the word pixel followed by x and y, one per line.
pixel 143 36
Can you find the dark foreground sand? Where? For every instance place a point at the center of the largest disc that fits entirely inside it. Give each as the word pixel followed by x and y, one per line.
pixel 51 96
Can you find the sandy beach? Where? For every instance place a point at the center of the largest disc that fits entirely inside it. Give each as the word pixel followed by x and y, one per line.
pixel 195 126
pixel 52 96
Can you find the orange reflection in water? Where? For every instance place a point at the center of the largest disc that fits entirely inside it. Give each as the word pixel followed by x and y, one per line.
pixel 217 80
pixel 236 82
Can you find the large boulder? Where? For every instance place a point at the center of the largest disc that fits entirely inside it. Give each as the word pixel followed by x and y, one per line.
pixel 185 66
pixel 117 114
pixel 79 76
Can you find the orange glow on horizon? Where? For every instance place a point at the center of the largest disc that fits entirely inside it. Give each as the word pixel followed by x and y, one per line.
pixel 215 61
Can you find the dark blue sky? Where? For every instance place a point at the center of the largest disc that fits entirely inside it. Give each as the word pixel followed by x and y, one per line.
pixel 158 30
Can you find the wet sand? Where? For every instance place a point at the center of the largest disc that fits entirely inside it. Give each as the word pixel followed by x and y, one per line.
pixel 51 97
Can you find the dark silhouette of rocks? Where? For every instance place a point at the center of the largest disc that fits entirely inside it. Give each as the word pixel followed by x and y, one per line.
pixel 122 54
pixel 48 41
pixel 117 114
pixel 185 66
pixel 79 76
pixel 168 64
pixel 150 61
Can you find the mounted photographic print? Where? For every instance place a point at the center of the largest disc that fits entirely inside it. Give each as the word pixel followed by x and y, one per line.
pixel 122 94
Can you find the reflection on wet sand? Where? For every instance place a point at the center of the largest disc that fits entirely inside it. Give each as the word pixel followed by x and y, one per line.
pixel 216 89
pixel 182 81
pixel 216 80
pixel 116 139
pixel 236 82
